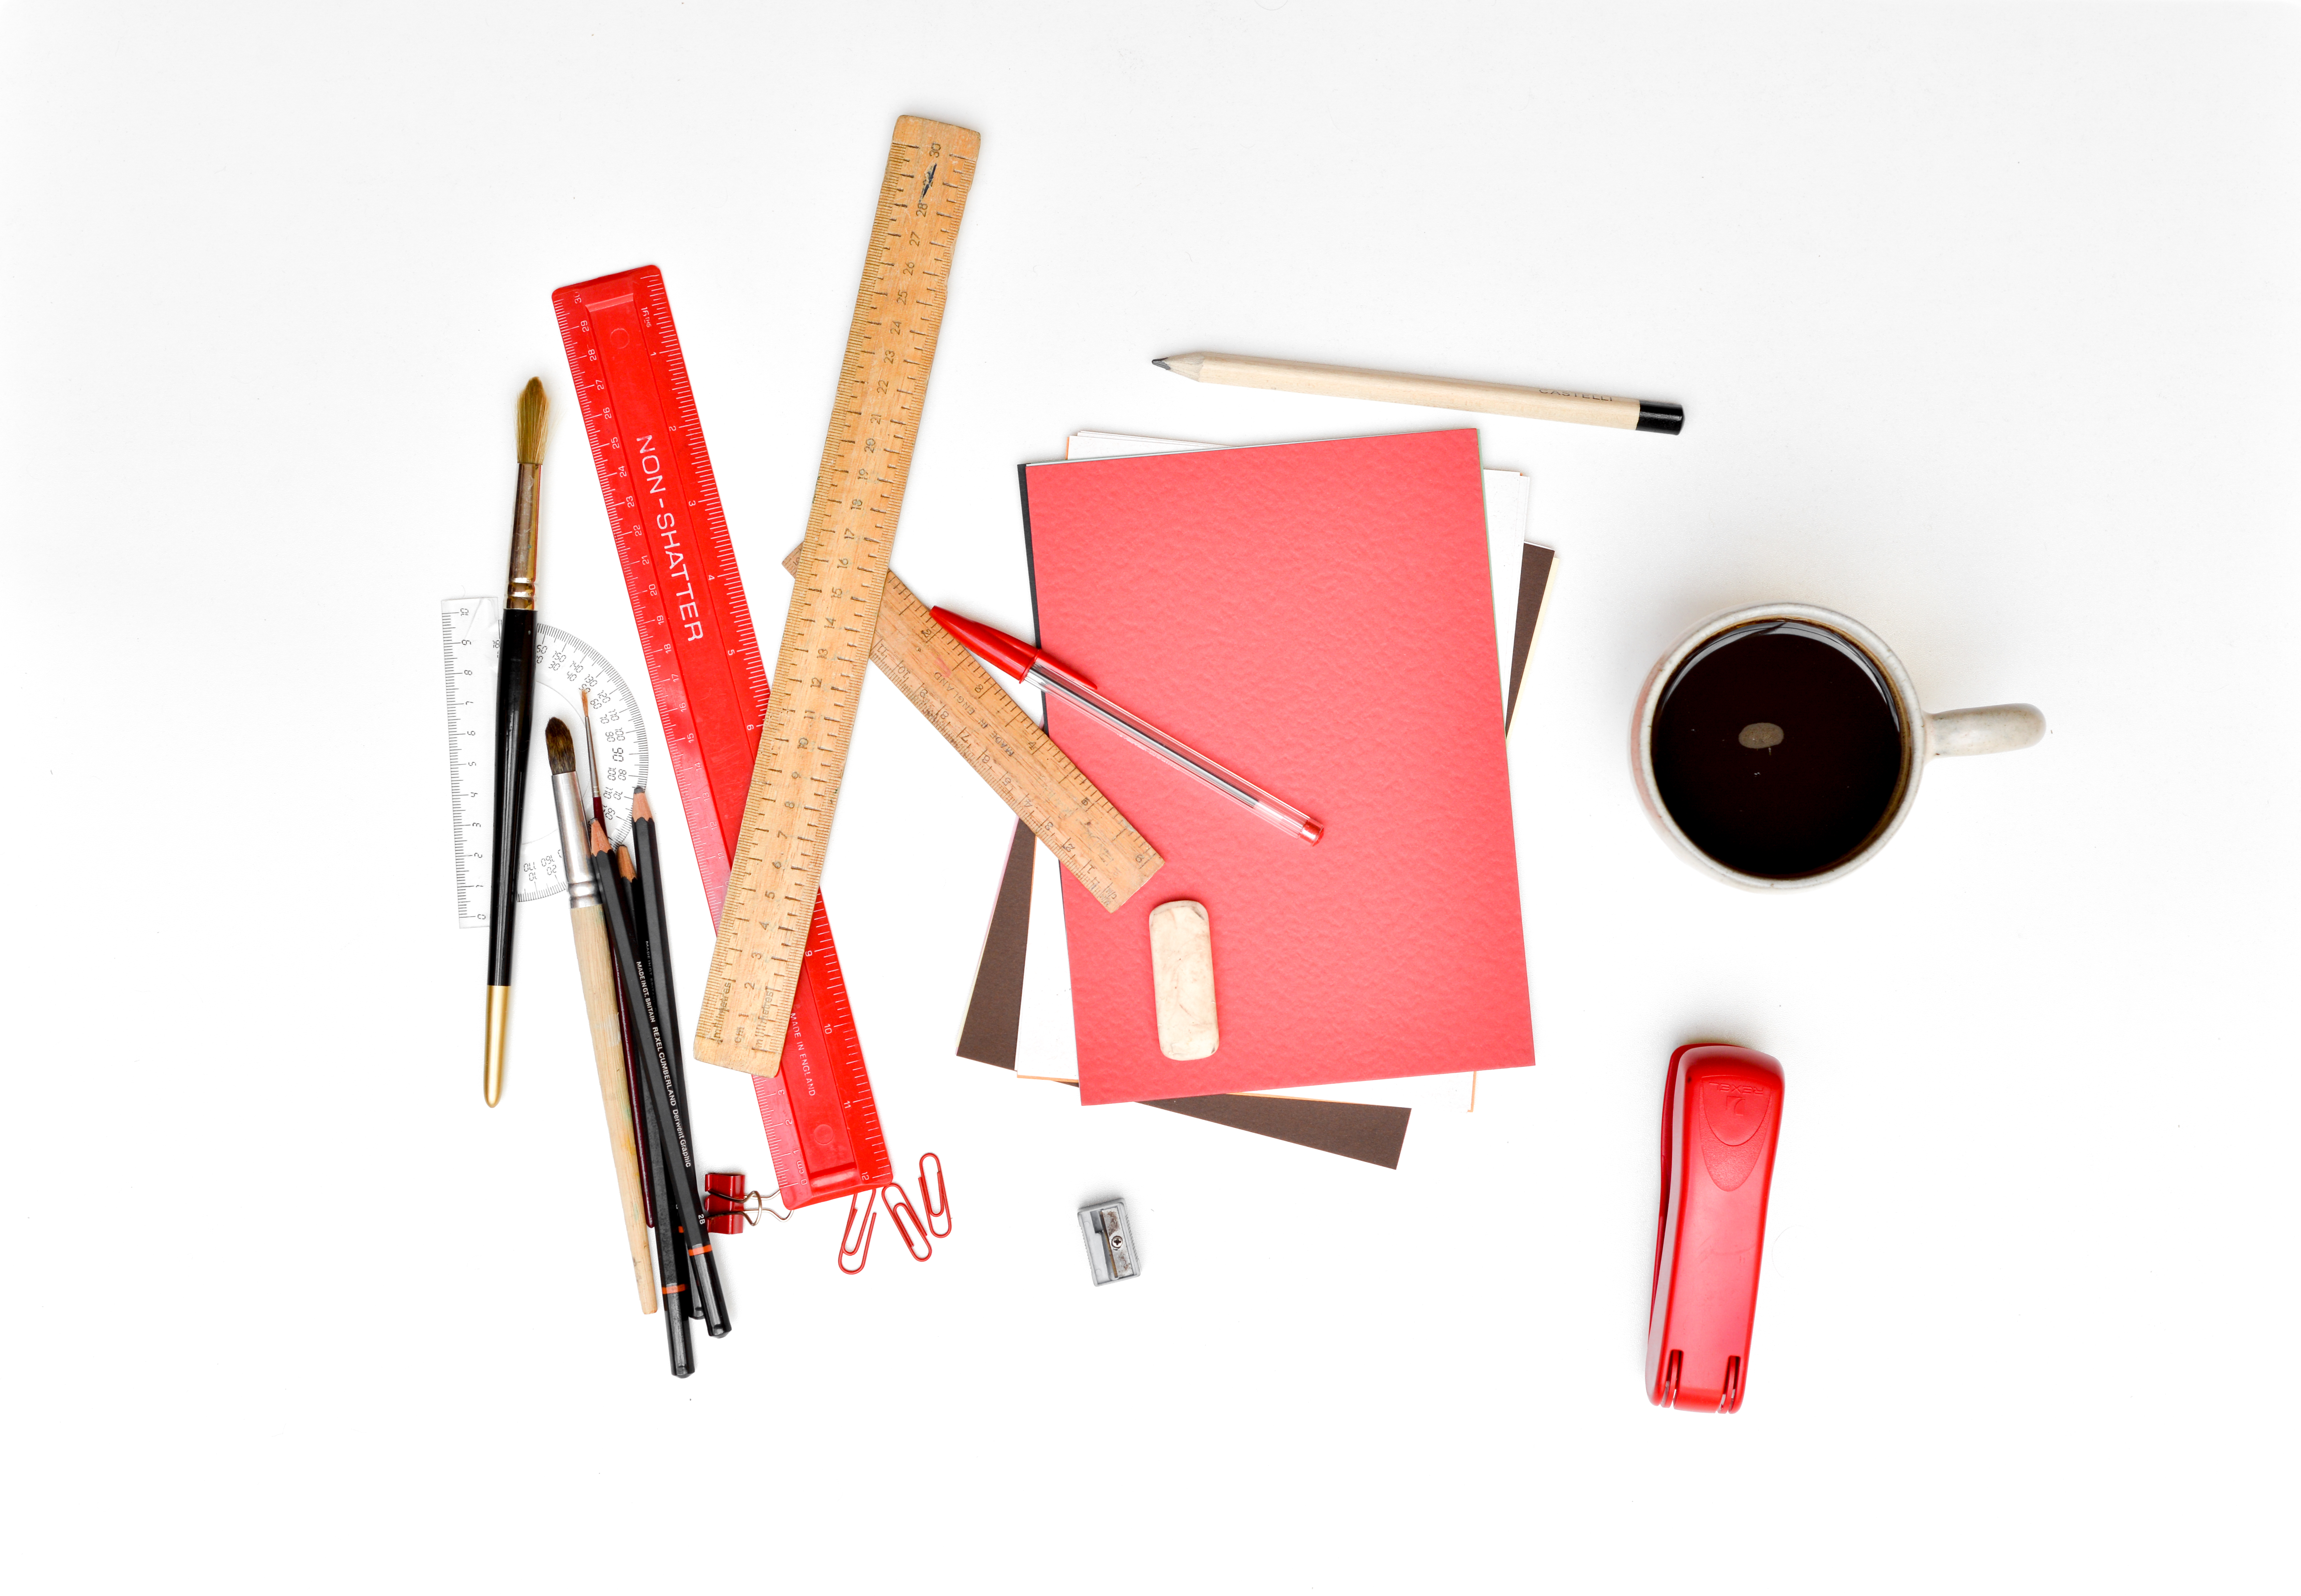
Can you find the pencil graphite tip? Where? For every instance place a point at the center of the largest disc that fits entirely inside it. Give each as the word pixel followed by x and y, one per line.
pixel 560 746
pixel 533 408
pixel 640 808
pixel 1161 364
pixel 599 838
pixel 623 865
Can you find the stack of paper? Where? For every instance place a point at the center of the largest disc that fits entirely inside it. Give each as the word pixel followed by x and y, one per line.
pixel 1322 617
pixel 1021 1015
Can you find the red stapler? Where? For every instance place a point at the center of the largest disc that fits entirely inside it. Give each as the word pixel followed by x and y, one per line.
pixel 1721 1113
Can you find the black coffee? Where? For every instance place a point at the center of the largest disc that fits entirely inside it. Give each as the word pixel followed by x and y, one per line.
pixel 1777 749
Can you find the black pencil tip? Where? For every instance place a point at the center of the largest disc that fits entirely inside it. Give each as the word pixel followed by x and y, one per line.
pixel 1660 418
pixel 1162 364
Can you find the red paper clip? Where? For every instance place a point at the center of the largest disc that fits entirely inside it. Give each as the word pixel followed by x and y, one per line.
pixel 854 1243
pixel 938 1206
pixel 907 1221
pixel 863 1218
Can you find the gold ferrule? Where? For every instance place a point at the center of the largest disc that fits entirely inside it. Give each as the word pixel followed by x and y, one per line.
pixel 498 1028
pixel 520 595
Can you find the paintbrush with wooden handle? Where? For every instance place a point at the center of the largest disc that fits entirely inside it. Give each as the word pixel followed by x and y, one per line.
pixel 597 961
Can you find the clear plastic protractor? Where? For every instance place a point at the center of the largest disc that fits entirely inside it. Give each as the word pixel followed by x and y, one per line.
pixel 565 668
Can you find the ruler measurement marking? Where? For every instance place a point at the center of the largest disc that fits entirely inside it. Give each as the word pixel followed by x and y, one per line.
pixel 996 736
pixel 719 710
pixel 565 665
pixel 828 602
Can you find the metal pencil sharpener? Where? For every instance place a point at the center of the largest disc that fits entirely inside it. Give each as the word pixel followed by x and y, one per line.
pixel 1109 1241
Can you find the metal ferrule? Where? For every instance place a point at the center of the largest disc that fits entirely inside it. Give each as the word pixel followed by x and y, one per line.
pixel 574 842
pixel 519 594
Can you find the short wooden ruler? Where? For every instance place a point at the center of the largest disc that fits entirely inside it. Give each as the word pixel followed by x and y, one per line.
pixel 834 609
pixel 998 739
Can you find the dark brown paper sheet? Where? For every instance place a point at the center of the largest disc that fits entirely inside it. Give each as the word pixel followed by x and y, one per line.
pixel 1534 568
pixel 994 1012
pixel 1371 1132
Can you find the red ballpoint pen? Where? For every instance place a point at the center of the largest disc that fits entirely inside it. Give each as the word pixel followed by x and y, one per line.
pixel 1033 668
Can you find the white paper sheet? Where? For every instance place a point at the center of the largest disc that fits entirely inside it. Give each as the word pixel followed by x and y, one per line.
pixel 1046 1045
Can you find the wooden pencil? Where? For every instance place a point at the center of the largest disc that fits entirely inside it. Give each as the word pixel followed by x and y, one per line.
pixel 1444 393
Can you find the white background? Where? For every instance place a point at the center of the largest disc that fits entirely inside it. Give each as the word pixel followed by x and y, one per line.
pixel 1985 321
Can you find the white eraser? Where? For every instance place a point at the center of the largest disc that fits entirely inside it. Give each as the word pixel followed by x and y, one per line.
pixel 1182 979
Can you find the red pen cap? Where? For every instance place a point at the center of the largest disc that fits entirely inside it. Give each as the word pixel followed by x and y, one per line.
pixel 1011 655
pixel 1721 1114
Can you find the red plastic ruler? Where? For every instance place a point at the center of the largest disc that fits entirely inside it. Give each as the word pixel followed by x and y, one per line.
pixel 711 692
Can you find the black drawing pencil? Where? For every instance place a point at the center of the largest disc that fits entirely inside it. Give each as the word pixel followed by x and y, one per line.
pixel 623 999
pixel 594 964
pixel 670 1275
pixel 685 1215
pixel 635 900
pixel 647 857
pixel 654 927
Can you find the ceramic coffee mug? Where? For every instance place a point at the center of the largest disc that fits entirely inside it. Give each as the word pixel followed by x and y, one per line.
pixel 1780 746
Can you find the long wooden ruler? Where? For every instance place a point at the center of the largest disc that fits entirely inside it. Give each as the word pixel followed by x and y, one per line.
pixel 710 685
pixel 834 608
pixel 1003 745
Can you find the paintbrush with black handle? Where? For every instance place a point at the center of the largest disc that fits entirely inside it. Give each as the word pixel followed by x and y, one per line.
pixel 515 726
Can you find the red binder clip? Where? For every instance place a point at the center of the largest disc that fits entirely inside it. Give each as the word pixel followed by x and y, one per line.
pixel 727 1208
pixel 1721 1114
pixel 723 1204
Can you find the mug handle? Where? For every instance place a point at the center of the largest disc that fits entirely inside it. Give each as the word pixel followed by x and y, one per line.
pixel 1994 729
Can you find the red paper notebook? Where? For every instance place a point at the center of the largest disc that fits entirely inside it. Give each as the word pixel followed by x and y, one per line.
pixel 1251 602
